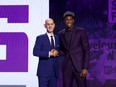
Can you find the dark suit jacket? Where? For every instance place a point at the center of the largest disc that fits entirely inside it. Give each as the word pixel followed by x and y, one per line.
pixel 41 50
pixel 78 50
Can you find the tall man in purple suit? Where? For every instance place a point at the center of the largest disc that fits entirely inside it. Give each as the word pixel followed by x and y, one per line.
pixel 75 45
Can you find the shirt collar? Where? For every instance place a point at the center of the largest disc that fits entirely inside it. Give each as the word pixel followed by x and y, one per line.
pixel 49 35
pixel 69 30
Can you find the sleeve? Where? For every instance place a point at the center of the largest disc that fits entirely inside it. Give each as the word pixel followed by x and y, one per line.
pixel 37 50
pixel 86 49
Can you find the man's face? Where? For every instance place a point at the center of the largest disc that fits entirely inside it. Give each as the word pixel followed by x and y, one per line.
pixel 49 25
pixel 69 21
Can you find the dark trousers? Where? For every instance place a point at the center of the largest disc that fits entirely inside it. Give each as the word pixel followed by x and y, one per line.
pixel 69 74
pixel 50 81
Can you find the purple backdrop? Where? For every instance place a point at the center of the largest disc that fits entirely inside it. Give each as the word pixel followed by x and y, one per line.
pixel 98 17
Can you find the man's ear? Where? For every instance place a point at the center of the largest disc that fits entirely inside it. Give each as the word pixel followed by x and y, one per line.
pixel 73 20
pixel 45 25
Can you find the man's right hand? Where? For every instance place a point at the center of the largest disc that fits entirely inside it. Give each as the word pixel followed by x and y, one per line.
pixel 54 53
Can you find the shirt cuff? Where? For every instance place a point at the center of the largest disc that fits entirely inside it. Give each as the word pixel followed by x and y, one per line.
pixel 49 54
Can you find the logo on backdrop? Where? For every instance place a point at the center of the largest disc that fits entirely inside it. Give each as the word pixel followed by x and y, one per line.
pixel 112 11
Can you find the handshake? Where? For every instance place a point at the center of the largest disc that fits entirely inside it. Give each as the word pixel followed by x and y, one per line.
pixel 54 53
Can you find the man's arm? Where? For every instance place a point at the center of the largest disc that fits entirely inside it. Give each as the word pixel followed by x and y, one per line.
pixel 86 49
pixel 41 53
pixel 37 49
pixel 85 46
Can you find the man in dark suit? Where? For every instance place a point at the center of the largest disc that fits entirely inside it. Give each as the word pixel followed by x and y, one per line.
pixel 45 48
pixel 74 44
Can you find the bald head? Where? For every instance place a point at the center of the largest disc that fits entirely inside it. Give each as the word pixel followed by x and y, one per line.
pixel 49 19
pixel 49 25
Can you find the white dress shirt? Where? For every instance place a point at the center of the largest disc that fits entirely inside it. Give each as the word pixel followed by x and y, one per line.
pixel 49 36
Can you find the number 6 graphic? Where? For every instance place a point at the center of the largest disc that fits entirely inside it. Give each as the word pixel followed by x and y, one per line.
pixel 16 43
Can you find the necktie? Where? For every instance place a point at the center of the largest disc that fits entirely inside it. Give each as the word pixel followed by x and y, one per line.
pixel 52 42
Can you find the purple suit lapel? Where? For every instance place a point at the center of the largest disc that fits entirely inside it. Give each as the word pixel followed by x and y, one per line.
pixel 63 39
pixel 56 41
pixel 73 36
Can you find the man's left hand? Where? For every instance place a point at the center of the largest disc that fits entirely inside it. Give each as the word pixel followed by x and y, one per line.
pixel 83 73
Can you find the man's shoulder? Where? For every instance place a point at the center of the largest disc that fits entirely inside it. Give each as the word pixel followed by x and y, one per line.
pixel 41 36
pixel 75 28
pixel 56 36
pixel 62 31
pixel 79 28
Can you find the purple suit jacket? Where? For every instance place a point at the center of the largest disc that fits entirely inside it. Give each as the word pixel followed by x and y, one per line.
pixel 78 50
